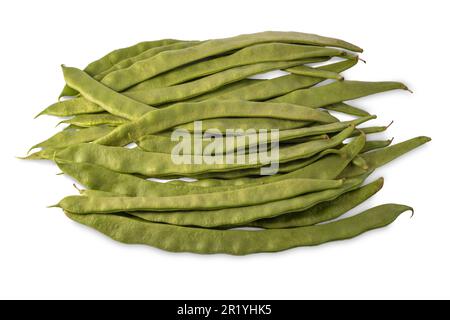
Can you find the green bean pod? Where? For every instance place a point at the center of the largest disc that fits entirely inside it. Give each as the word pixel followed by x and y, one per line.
pixel 157 96
pixel 235 216
pixel 111 101
pixel 151 52
pixel 96 119
pixel 248 196
pixel 337 92
pixel 314 72
pixel 347 109
pixel 282 85
pixel 237 242
pixel 165 61
pixel 266 52
pixel 71 107
pixel 181 113
pixel 115 57
pixel 380 157
pixel 71 137
pixel 163 144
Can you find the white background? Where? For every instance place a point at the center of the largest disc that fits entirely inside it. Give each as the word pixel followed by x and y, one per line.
pixel 45 255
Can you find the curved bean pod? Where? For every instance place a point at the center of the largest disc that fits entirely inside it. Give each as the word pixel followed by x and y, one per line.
pixel 314 72
pixel 224 124
pixel 327 168
pixel 71 107
pixel 177 114
pixel 380 157
pixel 337 92
pixel 161 164
pixel 165 61
pixel 347 109
pixel 285 167
pixel 111 101
pixel 244 215
pixel 282 85
pixel 248 196
pixel 324 211
pixel 163 144
pixel 266 52
pixel 96 119
pixel 70 137
pixel 209 83
pixel 237 242
pixel 151 52
pixel 376 144
pixel 116 56
pixel 224 90
pixel 102 179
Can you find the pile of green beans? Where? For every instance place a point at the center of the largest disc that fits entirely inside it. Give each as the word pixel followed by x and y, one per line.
pixel 143 93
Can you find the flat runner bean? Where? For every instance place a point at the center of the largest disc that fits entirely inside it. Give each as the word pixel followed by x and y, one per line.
pixel 181 113
pixel 165 61
pixel 237 242
pixel 324 211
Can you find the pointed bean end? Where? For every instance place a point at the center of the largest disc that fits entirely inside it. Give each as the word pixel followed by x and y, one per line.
pixel 32 148
pixel 61 122
pixel 39 114
pixel 412 212
pixel 33 156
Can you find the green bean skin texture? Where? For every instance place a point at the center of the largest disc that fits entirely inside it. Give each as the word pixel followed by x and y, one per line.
pixel 145 55
pixel 266 52
pixel 119 55
pixel 369 130
pixel 71 107
pixel 165 45
pixel 347 109
pixel 282 85
pixel 165 61
pixel 183 74
pixel 160 164
pixel 376 144
pixel 226 89
pixel 380 157
pixel 224 124
pixel 333 164
pixel 115 57
pixel 324 211
pixel 285 167
pixel 243 215
pixel 326 168
pixel 210 201
pixel 161 144
pixel 71 137
pixel 314 72
pixel 337 92
pixel 237 242
pixel 90 120
pixel 102 179
pixel 111 101
pixel 177 114
pixel 96 193
pixel 194 88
